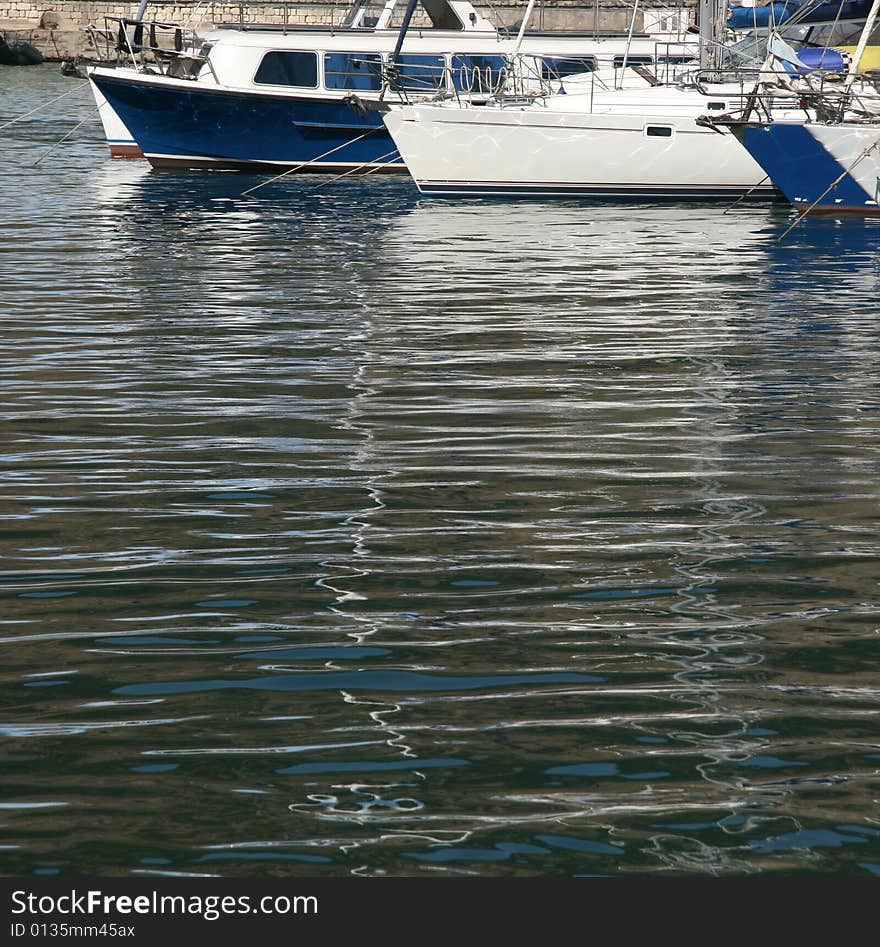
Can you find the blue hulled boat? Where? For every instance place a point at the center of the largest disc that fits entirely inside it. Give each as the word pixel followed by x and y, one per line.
pixel 827 158
pixel 295 98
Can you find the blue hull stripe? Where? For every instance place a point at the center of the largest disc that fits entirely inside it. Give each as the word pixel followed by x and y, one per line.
pixel 801 168
pixel 235 130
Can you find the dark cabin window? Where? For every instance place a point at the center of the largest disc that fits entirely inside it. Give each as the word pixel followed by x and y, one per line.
pixel 558 67
pixel 658 131
pixel 360 71
pixel 283 68
pixel 480 74
pixel 633 61
pixel 421 73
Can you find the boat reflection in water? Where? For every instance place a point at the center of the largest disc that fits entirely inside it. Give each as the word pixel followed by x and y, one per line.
pixel 645 404
pixel 556 527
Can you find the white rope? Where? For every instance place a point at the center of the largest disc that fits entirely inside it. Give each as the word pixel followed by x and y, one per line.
pixel 831 187
pixel 360 167
pixel 304 164
pixel 742 197
pixel 65 136
pixel 79 88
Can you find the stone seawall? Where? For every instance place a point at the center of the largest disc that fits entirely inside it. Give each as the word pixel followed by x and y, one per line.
pixel 58 27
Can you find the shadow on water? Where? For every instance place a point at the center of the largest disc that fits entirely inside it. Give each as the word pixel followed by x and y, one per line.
pixel 354 533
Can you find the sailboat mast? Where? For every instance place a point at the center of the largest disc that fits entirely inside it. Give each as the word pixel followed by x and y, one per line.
pixel 863 42
pixel 522 29
pixel 407 19
pixel 629 39
pixel 711 22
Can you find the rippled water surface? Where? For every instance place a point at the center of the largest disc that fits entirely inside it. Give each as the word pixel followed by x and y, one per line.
pixel 349 533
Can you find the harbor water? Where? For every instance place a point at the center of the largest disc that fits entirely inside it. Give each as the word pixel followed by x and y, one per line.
pixel 349 533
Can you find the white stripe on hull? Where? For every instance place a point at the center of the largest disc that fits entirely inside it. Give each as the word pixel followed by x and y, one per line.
pixel 119 138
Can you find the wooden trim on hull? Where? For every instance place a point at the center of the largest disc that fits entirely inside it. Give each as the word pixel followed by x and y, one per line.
pixel 824 211
pixel 125 151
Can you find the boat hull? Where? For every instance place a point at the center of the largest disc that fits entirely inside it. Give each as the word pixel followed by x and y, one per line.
pixel 823 168
pixel 119 138
pixel 538 152
pixel 184 124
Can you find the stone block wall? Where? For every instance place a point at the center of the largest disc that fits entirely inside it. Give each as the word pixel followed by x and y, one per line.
pixel 56 26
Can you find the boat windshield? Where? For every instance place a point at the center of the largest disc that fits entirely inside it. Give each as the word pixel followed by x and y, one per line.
pixel 844 34
pixel 364 14
pixel 389 14
pixel 748 53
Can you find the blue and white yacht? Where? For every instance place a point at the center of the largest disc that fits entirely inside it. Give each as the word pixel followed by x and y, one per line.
pixel 826 157
pixel 297 97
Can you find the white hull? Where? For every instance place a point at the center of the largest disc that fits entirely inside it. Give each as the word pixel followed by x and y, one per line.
pixel 648 145
pixel 820 167
pixel 856 151
pixel 119 138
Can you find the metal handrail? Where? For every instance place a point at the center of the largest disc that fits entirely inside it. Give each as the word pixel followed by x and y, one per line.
pixel 136 42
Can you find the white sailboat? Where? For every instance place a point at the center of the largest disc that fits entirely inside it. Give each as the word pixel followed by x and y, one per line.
pixel 596 141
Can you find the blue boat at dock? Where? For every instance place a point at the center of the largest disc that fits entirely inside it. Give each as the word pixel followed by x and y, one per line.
pixel 297 98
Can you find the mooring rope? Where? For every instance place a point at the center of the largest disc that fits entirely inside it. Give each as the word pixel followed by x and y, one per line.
pixel 79 88
pixel 360 167
pixel 304 164
pixel 748 193
pixel 65 136
pixel 830 187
